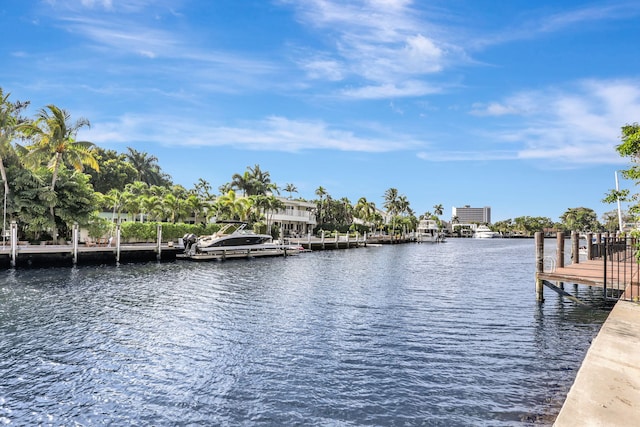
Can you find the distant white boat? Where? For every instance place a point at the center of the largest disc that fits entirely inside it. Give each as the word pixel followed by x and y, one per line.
pixel 429 232
pixel 484 232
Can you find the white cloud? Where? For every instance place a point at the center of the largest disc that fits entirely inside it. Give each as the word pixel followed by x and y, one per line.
pixel 273 133
pixel 390 90
pixel 381 41
pixel 579 124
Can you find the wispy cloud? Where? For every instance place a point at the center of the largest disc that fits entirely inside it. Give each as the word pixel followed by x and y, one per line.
pixel 273 133
pixel 579 124
pixel 380 47
pixel 535 24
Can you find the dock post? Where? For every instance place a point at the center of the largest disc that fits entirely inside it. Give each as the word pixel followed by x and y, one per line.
pixel 575 247
pixel 364 239
pixel 322 238
pixel 118 243
pixel 337 237
pixel 589 246
pixel 74 234
pixel 560 249
pixel 159 234
pixel 14 242
pixel 539 239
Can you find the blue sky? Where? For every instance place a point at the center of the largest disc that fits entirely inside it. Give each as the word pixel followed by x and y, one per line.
pixel 513 104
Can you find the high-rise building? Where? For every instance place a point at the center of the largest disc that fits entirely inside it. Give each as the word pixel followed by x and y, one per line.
pixel 468 214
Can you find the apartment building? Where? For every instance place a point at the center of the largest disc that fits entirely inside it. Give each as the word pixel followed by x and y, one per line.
pixel 467 214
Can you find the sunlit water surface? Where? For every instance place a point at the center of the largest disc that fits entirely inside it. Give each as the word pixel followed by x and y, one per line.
pixel 416 334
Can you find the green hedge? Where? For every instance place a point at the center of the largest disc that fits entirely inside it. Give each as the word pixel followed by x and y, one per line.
pixel 147 231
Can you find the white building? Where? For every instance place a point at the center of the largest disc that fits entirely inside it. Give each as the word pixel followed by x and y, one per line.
pixel 298 218
pixel 467 214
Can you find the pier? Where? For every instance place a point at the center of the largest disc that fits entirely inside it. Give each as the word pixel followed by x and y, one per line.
pixel 606 391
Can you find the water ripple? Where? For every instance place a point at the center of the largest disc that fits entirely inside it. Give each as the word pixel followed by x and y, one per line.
pixel 406 335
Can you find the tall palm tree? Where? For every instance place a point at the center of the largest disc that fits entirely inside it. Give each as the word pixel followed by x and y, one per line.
pixel 203 189
pixel 54 141
pixel 321 192
pixel 147 167
pixel 243 182
pixel 290 188
pixel 391 204
pixel 261 181
pixel 438 210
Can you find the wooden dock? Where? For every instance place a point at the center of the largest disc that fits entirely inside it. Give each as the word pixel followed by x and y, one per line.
pixel 606 391
pixel 611 264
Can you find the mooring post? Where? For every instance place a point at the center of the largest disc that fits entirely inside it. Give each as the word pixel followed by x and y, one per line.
pixel 14 242
pixel 364 239
pixel 560 249
pixel 539 239
pixel 118 243
pixel 589 245
pixel 75 243
pixel 159 234
pixel 599 251
pixel 575 247
pixel 322 238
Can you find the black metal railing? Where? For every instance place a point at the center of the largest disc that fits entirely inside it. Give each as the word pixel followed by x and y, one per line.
pixel 621 268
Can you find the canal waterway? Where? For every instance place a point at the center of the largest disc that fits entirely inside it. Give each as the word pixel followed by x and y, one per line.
pixel 416 334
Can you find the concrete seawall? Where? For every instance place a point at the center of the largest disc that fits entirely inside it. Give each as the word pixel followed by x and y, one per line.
pixel 606 391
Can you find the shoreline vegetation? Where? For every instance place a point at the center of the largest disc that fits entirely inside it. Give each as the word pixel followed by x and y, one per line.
pixel 51 181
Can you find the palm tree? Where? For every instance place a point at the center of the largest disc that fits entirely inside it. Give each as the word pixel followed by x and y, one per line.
pixel 290 188
pixel 243 183
pixel 9 120
pixel 147 167
pixel 174 206
pixel 364 210
pixel 391 204
pixel 54 142
pixel 203 189
pixel 195 206
pixel 438 210
pixel 261 181
pixel 231 206
pixel 321 192
pixel 152 206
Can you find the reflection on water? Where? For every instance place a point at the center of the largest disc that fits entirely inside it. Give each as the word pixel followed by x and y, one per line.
pixel 446 334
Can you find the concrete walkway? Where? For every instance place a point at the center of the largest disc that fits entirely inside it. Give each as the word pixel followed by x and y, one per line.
pixel 606 391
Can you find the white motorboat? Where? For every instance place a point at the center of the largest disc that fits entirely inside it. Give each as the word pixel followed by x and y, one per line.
pixel 484 232
pixel 429 232
pixel 233 235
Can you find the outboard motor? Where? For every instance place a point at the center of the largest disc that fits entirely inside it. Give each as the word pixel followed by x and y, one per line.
pixel 189 240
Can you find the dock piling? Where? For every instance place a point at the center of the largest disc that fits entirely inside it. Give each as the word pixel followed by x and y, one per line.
pixel 74 236
pixel 539 238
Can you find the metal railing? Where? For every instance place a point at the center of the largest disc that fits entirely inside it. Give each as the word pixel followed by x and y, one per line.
pixel 620 256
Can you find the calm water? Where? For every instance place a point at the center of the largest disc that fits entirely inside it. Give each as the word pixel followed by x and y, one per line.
pixel 412 334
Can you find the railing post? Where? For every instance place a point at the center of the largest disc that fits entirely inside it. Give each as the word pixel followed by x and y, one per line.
pixel 539 239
